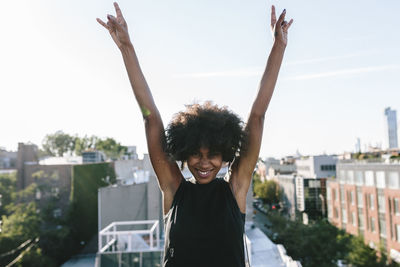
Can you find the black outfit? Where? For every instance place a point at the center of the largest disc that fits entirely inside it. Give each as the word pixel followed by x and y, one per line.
pixel 204 227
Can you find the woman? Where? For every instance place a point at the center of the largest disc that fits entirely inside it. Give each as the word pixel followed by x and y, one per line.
pixel 204 217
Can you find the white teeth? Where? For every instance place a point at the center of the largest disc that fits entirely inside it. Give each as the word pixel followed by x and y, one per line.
pixel 204 173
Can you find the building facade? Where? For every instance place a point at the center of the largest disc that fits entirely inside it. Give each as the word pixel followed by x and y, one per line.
pixel 365 199
pixel 8 159
pixel 321 166
pixel 304 185
pixel 287 182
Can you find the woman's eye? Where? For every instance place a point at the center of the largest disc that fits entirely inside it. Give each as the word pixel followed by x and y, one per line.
pixel 197 155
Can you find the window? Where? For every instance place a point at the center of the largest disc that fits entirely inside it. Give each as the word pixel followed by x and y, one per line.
pixel 381 203
pixel 353 218
pixel 330 215
pixel 359 199
pixel 342 176
pixel 57 213
pixel 350 177
pixel 372 224
pixel 342 194
pixel 382 227
pixel 333 194
pixel 352 197
pixel 359 178
pixel 398 232
pixel 369 178
pixel 55 191
pixel 380 179
pixel 393 180
pixel 335 212
pixel 38 194
pixel 314 184
pixel 328 194
pixel 396 207
pixel 328 167
pixel 344 216
pixel 371 201
pixel 360 219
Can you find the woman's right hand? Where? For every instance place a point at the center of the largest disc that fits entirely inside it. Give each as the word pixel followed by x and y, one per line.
pixel 117 27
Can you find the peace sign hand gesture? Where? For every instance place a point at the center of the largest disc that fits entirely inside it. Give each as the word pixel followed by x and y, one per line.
pixel 117 27
pixel 280 28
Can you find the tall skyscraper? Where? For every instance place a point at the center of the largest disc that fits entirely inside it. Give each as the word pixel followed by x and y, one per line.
pixel 391 122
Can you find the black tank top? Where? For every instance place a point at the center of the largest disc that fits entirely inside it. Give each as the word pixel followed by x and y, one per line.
pixel 204 227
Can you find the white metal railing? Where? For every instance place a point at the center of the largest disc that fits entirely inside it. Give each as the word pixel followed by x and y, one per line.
pixel 114 240
pixel 247 251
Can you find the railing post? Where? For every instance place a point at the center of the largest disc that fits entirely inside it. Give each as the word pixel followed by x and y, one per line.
pixel 107 238
pixel 151 239
pixel 158 235
pixel 100 240
pixel 130 242
pixel 114 230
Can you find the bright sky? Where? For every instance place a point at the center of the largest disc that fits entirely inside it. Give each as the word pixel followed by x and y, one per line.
pixel 60 69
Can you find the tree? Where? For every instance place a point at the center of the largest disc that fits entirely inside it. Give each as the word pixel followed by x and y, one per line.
pixel 23 223
pixel 84 143
pixel 35 257
pixel 8 184
pixel 269 191
pixel 316 244
pixel 58 143
pixel 111 148
pixel 362 255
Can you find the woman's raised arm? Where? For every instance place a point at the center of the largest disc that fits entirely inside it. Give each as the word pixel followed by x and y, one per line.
pixel 242 169
pixel 167 171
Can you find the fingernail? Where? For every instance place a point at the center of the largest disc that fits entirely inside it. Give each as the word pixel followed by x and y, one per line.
pixel 109 16
pixel 284 11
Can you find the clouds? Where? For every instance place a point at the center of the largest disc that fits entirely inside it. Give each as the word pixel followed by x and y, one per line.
pixel 343 72
pixel 256 72
pixel 250 72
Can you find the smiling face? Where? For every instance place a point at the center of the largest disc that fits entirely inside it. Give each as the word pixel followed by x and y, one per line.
pixel 204 165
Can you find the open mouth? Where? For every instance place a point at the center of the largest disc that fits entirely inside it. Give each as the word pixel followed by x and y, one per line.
pixel 204 174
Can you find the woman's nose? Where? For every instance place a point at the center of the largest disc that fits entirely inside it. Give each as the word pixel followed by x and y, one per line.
pixel 204 161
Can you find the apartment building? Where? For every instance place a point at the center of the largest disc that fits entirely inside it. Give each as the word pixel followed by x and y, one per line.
pixel 365 199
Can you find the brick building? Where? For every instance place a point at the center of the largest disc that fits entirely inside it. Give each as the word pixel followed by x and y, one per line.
pixel 365 199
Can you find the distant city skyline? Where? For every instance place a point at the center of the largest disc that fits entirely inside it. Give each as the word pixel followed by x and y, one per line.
pixel 391 128
pixel 337 77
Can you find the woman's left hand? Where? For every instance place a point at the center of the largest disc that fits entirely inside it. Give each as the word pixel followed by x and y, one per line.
pixel 280 27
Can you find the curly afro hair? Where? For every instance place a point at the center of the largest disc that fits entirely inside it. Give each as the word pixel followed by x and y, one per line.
pixel 207 125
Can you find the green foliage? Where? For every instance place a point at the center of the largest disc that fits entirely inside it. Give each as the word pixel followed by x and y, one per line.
pixel 268 191
pixel 313 245
pixel 23 223
pixel 86 181
pixel 360 254
pixel 84 143
pixel 58 143
pixel 8 184
pixel 24 195
pixel 111 148
pixel 35 257
pixel 6 244
pixel 59 243
pixel 322 244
